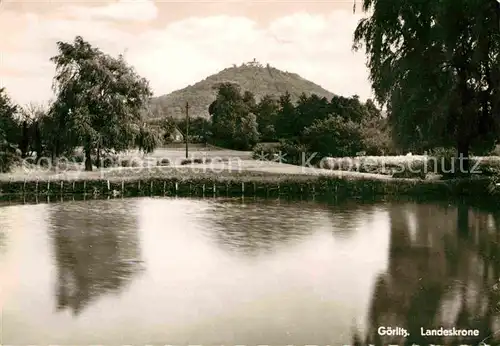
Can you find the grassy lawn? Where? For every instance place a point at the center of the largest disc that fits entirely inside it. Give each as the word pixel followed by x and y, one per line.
pixel 224 163
pixel 241 169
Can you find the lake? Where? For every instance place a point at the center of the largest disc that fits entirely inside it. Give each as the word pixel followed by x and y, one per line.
pixel 244 272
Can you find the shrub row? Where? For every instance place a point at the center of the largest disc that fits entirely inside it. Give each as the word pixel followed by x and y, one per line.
pixel 116 161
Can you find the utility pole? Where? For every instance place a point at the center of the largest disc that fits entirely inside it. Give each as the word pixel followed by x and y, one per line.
pixel 187 129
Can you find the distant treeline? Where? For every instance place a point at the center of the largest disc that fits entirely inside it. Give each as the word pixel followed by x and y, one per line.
pixel 337 127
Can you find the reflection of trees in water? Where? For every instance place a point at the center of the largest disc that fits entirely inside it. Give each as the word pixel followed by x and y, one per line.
pixel 258 226
pixel 5 226
pixel 346 216
pixel 3 238
pixel 442 274
pixel 97 250
pixel 254 227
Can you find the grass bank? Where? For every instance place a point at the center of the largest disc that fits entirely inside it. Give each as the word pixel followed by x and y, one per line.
pixel 187 181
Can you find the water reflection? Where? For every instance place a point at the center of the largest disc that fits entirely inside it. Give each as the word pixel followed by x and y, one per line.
pixel 97 250
pixel 444 271
pixel 244 272
pixel 10 220
pixel 251 228
pixel 2 240
pixel 4 226
pixel 254 227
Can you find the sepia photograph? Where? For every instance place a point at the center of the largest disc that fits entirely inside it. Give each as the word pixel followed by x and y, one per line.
pixel 249 172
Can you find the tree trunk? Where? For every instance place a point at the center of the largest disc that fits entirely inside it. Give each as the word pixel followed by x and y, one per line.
pixel 462 166
pixel 465 117
pixel 38 141
pixel 25 140
pixel 98 158
pixel 88 159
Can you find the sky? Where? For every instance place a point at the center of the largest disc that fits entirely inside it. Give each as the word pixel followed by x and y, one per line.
pixel 178 43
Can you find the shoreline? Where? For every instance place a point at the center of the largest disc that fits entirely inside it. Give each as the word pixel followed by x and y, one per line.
pixel 186 182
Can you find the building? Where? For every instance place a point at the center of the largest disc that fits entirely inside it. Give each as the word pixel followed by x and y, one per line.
pixel 176 135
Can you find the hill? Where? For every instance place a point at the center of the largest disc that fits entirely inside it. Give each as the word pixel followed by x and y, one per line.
pixel 260 80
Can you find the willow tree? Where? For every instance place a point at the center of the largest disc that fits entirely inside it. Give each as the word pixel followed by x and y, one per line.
pixel 40 134
pixel 435 65
pixel 147 139
pixel 99 99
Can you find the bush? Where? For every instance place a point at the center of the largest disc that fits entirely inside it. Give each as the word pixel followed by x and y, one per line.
pixel 163 162
pixel 134 163
pixel 266 151
pixel 129 163
pixel 377 139
pixel 488 166
pixel 442 161
pixel 9 156
pixel 496 151
pixel 78 158
pixel 296 154
pixel 337 164
pixel 107 161
pixel 198 161
pixel 333 137
pixel 357 164
pixel 283 152
pixel 411 169
pixel 446 162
